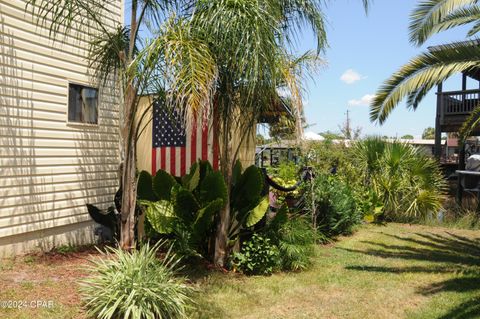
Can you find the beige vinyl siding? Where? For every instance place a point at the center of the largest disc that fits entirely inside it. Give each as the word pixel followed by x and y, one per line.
pixel 49 168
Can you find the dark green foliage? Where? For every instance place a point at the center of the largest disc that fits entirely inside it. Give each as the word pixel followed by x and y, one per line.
pixel 257 257
pixel 336 209
pixel 145 187
pixel 135 285
pixel 162 185
pixel 185 208
pixel 247 203
pixel 295 238
pixel 212 186
pixel 408 183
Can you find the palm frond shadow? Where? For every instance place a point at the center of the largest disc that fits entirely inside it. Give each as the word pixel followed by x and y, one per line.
pixel 445 253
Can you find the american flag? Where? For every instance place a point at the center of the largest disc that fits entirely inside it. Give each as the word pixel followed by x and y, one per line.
pixel 176 147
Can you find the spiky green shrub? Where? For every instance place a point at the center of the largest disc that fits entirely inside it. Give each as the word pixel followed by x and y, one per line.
pixel 135 285
pixel 295 238
pixel 335 206
pixel 408 182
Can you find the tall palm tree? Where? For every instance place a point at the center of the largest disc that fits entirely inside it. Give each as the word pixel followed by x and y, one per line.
pixel 121 56
pixel 225 57
pixel 251 42
pixel 415 79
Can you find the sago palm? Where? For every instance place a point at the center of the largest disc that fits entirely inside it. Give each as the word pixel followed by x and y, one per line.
pixel 415 79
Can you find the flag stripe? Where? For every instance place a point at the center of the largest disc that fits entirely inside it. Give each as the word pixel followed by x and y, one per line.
pixel 183 159
pixel 204 141
pixel 215 143
pixel 154 160
pixel 172 160
pixel 163 157
pixel 193 142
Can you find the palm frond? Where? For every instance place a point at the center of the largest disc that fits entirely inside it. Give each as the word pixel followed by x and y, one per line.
pixel 470 124
pixel 108 51
pixel 63 16
pixel 190 69
pixel 459 17
pixel 418 76
pixel 305 12
pixel 425 19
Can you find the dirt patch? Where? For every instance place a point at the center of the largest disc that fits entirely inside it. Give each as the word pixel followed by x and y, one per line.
pixel 49 277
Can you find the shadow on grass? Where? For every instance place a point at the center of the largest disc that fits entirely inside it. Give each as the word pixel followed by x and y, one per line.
pixel 445 253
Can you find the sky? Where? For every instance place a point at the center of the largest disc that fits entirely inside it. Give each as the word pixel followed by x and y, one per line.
pixel 364 50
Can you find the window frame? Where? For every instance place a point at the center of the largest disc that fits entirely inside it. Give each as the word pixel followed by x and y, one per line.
pixel 87 85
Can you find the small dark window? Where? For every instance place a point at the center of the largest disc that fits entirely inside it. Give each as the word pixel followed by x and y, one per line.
pixel 82 104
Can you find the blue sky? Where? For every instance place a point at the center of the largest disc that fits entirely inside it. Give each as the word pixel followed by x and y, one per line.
pixel 373 46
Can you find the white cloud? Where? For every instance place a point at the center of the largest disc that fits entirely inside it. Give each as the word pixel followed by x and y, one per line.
pixel 364 101
pixel 351 76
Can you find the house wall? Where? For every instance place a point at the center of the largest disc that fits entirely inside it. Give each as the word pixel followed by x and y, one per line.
pixel 49 169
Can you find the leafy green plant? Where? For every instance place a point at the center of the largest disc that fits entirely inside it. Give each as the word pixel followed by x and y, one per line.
pixel 286 175
pixel 408 183
pixel 248 203
pixel 335 205
pixel 185 208
pixel 295 238
pixel 257 257
pixel 135 285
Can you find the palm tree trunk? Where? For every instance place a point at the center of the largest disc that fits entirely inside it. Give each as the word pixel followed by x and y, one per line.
pixel 221 238
pixel 129 191
pixel 129 194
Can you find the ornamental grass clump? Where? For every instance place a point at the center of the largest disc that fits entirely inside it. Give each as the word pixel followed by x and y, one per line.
pixel 135 285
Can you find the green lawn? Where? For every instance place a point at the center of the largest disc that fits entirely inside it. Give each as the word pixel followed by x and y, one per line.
pixel 393 271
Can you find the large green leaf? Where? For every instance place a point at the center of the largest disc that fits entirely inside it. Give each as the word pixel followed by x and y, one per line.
pixel 192 179
pixel 250 184
pixel 204 221
pixel 205 168
pixel 145 187
pixel 258 212
pixel 237 172
pixel 213 187
pixel 160 215
pixel 185 205
pixel 162 185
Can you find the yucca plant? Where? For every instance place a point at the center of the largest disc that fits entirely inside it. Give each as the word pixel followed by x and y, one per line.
pixel 135 285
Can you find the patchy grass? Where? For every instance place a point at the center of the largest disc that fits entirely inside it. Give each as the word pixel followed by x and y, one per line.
pixel 393 271
pixel 44 286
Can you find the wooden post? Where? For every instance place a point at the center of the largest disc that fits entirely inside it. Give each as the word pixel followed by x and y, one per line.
pixel 459 190
pixel 438 128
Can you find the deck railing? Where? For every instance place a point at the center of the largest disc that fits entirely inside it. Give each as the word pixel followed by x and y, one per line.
pixel 459 102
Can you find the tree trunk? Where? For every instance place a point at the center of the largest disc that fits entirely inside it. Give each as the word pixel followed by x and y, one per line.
pixel 129 191
pixel 129 194
pixel 221 238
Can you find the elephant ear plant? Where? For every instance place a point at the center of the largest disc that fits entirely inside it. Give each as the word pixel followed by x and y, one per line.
pixel 248 203
pixel 184 207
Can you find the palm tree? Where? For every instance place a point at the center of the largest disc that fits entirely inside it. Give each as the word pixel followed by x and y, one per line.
pixel 225 57
pixel 415 79
pixel 250 41
pixel 120 56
